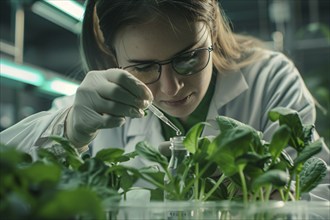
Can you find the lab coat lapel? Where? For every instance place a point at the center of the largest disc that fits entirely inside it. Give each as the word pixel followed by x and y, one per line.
pixel 145 129
pixel 228 87
pixel 149 127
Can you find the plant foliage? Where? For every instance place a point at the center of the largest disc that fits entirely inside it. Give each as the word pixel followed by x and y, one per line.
pixel 237 164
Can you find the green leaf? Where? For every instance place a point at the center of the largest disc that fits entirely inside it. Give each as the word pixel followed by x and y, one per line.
pixel 148 152
pixel 11 156
pixel 254 159
pixel 95 172
pixel 226 123
pixel 93 166
pixel 251 171
pixel 200 157
pixel 228 146
pixel 285 157
pixel 191 140
pixel 108 196
pixel 276 113
pixel 72 156
pixel 46 155
pixel 279 141
pixel 74 161
pixel 276 178
pixel 157 194
pixel 291 118
pixel 39 172
pixel 313 171
pixel 66 145
pixel 202 150
pixel 127 180
pixel 309 151
pixel 130 155
pixel 231 140
pixel 280 165
pixel 119 169
pixel 226 163
pixel 249 157
pixel 153 173
pixel 111 155
pixel 308 133
pixel 253 165
pixel 71 179
pixel 70 204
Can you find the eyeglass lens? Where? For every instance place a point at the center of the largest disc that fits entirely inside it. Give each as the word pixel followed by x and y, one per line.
pixel 185 64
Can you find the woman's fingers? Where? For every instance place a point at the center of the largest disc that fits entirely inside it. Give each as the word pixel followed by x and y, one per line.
pixel 115 87
pixel 103 100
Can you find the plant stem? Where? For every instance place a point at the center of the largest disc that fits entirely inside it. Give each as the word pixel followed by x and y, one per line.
pixel 241 174
pixel 196 181
pixel 287 190
pixel 188 185
pixel 297 187
pixel 261 193
pixel 291 196
pixel 186 171
pixel 254 196
pixel 150 180
pixel 231 190
pixel 176 192
pixel 112 179
pixel 268 192
pixel 214 187
pixel 201 172
pixel 202 191
pixel 282 194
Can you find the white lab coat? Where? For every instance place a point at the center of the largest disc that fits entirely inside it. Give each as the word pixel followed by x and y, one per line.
pixel 246 95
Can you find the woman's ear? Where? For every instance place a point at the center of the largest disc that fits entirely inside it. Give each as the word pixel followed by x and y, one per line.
pixel 99 34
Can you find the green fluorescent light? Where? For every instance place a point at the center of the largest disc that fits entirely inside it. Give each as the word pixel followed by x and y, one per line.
pixel 32 76
pixel 60 86
pixel 21 73
pixel 69 7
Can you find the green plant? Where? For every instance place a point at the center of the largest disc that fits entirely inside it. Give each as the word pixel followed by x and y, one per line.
pixel 68 186
pixel 62 187
pixel 31 190
pixel 252 169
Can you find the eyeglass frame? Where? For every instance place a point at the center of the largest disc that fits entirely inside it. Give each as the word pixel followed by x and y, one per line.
pixel 170 60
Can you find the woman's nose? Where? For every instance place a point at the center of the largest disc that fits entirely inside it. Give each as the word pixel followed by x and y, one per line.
pixel 169 82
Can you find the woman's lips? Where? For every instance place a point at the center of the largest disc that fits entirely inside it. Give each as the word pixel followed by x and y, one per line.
pixel 178 102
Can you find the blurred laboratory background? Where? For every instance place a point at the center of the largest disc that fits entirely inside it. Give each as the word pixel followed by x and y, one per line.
pixel 40 60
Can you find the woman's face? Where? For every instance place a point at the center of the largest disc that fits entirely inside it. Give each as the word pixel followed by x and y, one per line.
pixel 175 94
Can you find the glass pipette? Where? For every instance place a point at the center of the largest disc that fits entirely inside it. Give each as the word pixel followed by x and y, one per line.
pixel 162 117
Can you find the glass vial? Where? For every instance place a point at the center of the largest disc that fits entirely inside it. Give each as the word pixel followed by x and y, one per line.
pixel 177 170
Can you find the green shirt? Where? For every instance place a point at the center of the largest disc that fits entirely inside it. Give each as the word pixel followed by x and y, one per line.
pixel 199 115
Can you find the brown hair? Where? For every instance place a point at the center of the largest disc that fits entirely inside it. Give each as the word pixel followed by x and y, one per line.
pixel 97 48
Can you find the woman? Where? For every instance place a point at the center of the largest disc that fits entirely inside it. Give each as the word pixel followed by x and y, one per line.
pixel 179 55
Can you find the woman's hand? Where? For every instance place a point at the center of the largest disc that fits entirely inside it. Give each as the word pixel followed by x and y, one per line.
pixel 103 100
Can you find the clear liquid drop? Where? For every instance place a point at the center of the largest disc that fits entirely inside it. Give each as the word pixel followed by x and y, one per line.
pixel 178 132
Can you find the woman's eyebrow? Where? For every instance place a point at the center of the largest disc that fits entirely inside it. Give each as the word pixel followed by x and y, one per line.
pixel 151 61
